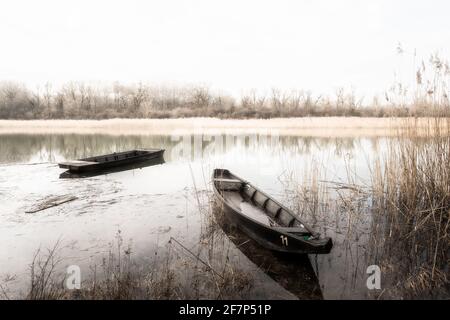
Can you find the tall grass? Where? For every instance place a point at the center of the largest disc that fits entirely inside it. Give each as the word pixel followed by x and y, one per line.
pixel 400 218
pixel 43 283
pixel 411 205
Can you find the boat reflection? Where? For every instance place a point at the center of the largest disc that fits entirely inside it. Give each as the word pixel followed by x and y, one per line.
pixel 293 272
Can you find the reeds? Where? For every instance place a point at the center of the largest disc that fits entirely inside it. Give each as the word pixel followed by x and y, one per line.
pixel 399 219
pixel 43 283
pixel 411 207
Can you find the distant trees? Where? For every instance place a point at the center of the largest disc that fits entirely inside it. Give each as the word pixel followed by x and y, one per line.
pixel 15 101
pixel 77 100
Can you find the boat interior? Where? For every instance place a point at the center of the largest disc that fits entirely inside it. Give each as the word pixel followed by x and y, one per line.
pixel 118 156
pixel 255 204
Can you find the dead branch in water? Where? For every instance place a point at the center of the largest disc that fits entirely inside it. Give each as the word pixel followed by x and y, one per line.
pixel 51 202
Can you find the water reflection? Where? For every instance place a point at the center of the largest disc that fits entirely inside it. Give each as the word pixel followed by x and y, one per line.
pixel 141 201
pixel 293 272
pixel 22 148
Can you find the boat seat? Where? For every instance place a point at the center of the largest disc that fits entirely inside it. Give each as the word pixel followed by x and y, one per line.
pixel 297 230
pixel 227 180
pixel 228 184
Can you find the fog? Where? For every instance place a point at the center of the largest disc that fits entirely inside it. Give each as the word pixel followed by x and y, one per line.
pixel 231 46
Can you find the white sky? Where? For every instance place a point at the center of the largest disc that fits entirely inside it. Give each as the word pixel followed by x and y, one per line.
pixel 230 45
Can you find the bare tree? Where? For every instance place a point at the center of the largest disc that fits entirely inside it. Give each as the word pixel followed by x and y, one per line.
pixel 201 97
pixel 138 97
pixel 48 100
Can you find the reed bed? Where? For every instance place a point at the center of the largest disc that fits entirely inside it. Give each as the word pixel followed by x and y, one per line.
pixel 411 207
pixel 398 220
pixel 310 127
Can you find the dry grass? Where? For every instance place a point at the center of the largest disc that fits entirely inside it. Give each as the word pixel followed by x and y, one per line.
pixel 411 204
pixel 408 202
pixel 177 275
pixel 43 283
pixel 311 127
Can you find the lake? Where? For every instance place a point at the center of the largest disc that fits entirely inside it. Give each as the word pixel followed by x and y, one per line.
pixel 150 205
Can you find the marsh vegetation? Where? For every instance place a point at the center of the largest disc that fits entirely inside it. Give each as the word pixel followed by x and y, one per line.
pixel 397 219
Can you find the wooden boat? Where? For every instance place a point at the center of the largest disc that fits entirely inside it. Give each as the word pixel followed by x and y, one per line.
pixel 113 160
pixel 133 166
pixel 264 219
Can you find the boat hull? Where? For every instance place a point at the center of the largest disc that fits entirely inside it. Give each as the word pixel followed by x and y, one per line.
pixel 105 162
pixel 135 165
pixel 267 236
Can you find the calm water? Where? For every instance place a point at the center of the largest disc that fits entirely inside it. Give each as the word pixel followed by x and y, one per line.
pixel 152 204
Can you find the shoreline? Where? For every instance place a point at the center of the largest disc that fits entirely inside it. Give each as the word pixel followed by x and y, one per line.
pixel 308 126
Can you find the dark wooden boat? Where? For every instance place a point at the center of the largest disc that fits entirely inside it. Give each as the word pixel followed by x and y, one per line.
pixel 263 218
pixel 113 160
pixel 133 166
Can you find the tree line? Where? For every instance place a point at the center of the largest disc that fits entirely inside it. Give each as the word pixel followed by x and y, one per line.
pixel 77 100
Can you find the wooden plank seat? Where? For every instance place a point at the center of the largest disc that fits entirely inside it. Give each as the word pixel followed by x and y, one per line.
pixel 228 184
pixel 75 164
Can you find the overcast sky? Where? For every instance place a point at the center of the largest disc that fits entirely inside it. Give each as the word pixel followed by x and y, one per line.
pixel 229 45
